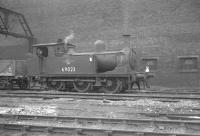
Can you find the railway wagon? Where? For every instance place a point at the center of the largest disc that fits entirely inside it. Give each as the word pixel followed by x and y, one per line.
pixel 13 74
pixel 59 66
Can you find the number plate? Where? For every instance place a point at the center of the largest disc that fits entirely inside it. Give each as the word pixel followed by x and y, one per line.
pixel 68 69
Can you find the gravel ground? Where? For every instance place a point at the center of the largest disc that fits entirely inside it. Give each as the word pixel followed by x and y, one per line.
pixel 93 108
pixel 98 108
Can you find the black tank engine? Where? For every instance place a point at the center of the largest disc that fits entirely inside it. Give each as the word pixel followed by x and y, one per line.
pixel 63 69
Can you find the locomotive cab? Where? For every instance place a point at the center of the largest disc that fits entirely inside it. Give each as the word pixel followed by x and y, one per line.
pixel 58 49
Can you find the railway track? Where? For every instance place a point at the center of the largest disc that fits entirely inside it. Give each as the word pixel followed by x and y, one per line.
pixel 167 91
pixel 73 131
pixel 101 96
pixel 149 91
pixel 99 126
pixel 180 116
pixel 171 92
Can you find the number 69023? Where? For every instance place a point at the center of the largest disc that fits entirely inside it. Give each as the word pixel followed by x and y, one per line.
pixel 68 69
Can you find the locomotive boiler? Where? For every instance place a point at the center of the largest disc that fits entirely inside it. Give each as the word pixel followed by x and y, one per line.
pixel 63 69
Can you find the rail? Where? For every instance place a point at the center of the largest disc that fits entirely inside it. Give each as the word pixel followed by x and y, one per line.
pixel 87 129
pixel 101 96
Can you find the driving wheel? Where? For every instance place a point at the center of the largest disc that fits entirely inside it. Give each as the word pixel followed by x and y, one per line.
pixel 112 85
pixel 60 86
pixel 82 86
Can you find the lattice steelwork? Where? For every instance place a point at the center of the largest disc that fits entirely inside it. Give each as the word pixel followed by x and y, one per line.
pixel 6 17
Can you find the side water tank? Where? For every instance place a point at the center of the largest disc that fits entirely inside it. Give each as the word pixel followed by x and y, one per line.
pixel 109 61
pixel 105 62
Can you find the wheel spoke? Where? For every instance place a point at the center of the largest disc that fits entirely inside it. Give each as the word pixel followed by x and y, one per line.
pixel 112 85
pixel 81 86
pixel 60 86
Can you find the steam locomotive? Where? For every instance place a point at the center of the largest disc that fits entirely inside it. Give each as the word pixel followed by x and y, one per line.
pixel 59 66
